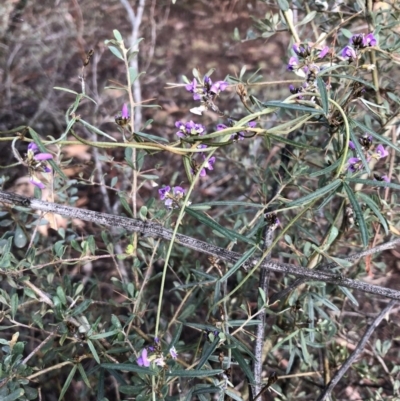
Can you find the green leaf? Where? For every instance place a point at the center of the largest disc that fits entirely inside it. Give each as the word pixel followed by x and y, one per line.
pixel 83 374
pixel 117 35
pixel 15 395
pixel 286 141
pixel 104 335
pixel 65 90
pixel 61 295
pixel 283 5
pixel 304 349
pixel 325 170
pixel 129 367
pixel 194 373
pixel 116 52
pixel 292 106
pixel 96 130
pixel 315 195
pixel 208 349
pixel 374 183
pixel 358 212
pixel 82 307
pixel 93 351
pixel 238 264
pixel 14 305
pixel 67 382
pixel 374 207
pixel 349 295
pixel 20 239
pixel 324 95
pixel 362 81
pixel 231 235
pixel 244 366
pixel 309 17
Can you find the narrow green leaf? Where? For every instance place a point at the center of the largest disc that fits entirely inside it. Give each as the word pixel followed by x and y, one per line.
pixel 83 374
pixel 129 367
pixel 292 106
pixel 359 151
pixel 65 90
pixel 374 207
pixel 104 335
pixel 194 373
pixel 82 307
pixel 325 170
pixel 116 52
pixel 304 349
pixel 374 183
pixel 67 382
pixel 244 366
pixel 283 139
pixel 238 264
pixel 326 302
pixel 231 235
pixel 315 195
pixel 358 212
pixel 353 78
pixel 14 305
pixel 93 351
pixel 96 130
pixel 349 295
pixel 117 35
pixel 208 349
pixel 324 95
pixel 279 343
pixel 100 385
pixel 309 17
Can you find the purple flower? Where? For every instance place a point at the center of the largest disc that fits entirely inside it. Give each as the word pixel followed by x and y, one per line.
pixel 369 40
pixel 190 128
pixel 143 360
pixel 192 88
pixel 357 40
pixel 301 51
pixel 349 53
pixel 293 63
pixel 381 152
pixel 351 145
pixel 173 353
pixel 37 183
pixel 125 112
pixel 163 192
pixel 355 164
pixel 218 86
pixel 323 52
pixel 178 192
pixel 209 164
pixel 33 148
pixel 385 178
pixel 220 127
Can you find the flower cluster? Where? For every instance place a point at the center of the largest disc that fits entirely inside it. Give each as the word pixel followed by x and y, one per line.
pixel 172 197
pixel 189 129
pixel 36 163
pixel 358 42
pixel 205 91
pixel 154 354
pixel 355 163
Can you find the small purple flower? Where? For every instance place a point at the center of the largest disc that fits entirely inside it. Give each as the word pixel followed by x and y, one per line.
pixel 301 51
pixel 381 152
pixel 173 353
pixel 37 183
pixel 323 52
pixel 357 41
pixel 369 40
pixel 351 145
pixel 32 147
pixel 218 87
pixel 385 178
pixel 164 191
pixel 143 360
pixel 355 164
pixel 125 112
pixel 220 127
pixel 210 163
pixel 293 63
pixel 192 88
pixel 178 192
pixel 349 53
pixel 189 128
